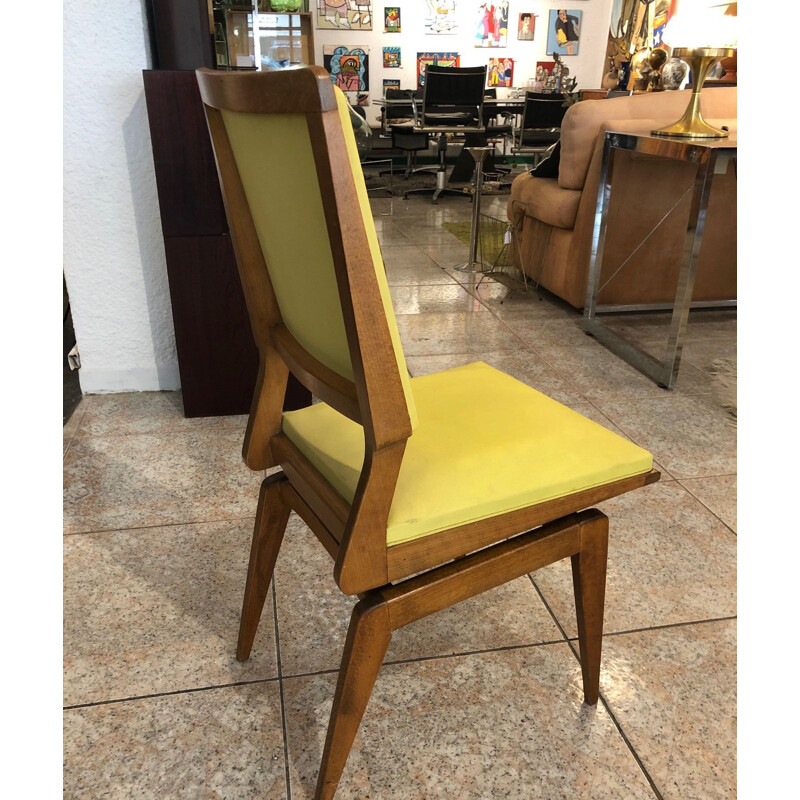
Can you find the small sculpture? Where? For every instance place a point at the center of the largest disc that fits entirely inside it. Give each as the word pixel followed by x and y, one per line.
pixel 656 61
pixel 640 70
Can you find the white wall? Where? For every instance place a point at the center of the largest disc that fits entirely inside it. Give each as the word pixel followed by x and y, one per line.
pixel 113 246
pixel 587 66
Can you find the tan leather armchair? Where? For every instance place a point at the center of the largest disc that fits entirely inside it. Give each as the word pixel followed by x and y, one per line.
pixel 554 217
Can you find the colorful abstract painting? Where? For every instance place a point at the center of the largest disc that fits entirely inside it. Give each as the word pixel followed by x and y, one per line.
pixel 391 57
pixel 391 19
pixel 500 72
pixel 390 83
pixel 355 15
pixel 437 59
pixel 492 30
pixel 348 66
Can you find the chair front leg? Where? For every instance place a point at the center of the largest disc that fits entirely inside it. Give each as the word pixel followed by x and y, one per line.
pixel 368 639
pixel 271 519
pixel 589 582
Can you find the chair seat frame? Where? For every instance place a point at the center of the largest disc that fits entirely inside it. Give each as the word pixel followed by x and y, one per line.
pixel 406 582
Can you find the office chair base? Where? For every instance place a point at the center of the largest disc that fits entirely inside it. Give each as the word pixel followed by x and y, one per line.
pixel 440 188
pixel 473 266
pixel 436 193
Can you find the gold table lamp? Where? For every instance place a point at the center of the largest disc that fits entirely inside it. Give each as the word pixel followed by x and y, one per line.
pixel 692 125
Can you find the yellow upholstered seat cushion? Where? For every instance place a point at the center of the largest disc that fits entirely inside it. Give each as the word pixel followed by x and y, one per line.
pixel 485 444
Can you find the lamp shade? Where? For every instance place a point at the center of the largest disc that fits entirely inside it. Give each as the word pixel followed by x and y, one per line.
pixel 702 23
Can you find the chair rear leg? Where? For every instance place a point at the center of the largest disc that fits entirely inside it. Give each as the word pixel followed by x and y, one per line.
pixel 271 519
pixel 589 582
pixel 367 641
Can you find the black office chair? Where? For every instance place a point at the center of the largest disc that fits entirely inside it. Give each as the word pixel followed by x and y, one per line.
pixel 497 131
pixel 398 120
pixel 405 138
pixel 541 123
pixel 452 102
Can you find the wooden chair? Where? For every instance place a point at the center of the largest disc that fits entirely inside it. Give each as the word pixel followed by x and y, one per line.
pixel 465 479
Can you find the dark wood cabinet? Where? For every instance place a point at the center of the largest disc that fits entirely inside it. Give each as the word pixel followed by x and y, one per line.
pixel 181 33
pixel 217 357
pixel 186 174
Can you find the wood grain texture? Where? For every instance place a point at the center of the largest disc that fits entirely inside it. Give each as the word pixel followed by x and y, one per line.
pixel 361 564
pixel 368 640
pixel 589 566
pixel 189 197
pixel 270 525
pixel 464 578
pixel 217 359
pixel 323 382
pixel 384 414
pixel 318 528
pixel 328 505
pixel 296 91
pixel 430 551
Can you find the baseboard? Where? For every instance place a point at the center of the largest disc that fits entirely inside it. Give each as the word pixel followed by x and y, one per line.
pixel 143 379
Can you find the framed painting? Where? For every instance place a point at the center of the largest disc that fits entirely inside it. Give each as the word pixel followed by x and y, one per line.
pixel 500 72
pixel 390 83
pixel 355 15
pixel 526 26
pixel 391 57
pixel 348 66
pixel 563 31
pixel 391 19
pixel 492 29
pixel 437 59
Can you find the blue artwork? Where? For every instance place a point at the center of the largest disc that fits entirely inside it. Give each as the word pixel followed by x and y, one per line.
pixel 348 67
pixel 563 31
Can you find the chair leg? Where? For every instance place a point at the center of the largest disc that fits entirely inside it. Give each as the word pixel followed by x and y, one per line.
pixel 589 582
pixel 271 519
pixel 367 641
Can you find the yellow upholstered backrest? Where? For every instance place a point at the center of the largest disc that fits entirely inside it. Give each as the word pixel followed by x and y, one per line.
pixel 283 193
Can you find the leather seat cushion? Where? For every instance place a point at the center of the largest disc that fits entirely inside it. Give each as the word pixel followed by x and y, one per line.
pixel 485 444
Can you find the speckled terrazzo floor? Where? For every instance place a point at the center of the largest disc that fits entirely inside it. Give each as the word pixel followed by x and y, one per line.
pixel 480 701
